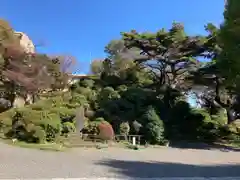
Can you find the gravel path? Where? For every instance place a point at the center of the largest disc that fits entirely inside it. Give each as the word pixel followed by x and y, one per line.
pixel 119 163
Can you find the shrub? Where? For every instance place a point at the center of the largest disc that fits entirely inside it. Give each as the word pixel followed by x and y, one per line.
pixel 154 133
pixel 34 126
pixel 206 116
pixel 68 127
pixel 105 131
pixel 6 118
pixel 124 128
pixel 77 100
pixel 153 130
pixel 220 117
pixel 63 112
pixel 52 126
pixel 40 105
pixel 86 92
pixel 108 93
pixel 39 134
pixel 91 127
pixel 122 88
pixel 87 83
pixel 99 119
pixel 57 101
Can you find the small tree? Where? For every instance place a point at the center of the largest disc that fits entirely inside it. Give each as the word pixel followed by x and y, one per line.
pixel 153 130
pixel 25 73
pixel 124 129
pixel 105 131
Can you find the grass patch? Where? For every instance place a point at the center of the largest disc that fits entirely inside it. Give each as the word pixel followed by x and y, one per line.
pixel 231 144
pixel 45 146
pixel 128 145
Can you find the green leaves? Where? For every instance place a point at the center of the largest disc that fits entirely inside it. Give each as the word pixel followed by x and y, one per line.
pixel 229 63
pixel 153 127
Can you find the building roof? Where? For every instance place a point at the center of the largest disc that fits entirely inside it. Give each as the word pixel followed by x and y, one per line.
pixel 77 75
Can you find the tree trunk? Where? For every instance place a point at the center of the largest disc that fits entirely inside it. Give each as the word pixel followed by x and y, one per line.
pixel 230 115
pixel 11 97
pixel 167 104
pixel 35 98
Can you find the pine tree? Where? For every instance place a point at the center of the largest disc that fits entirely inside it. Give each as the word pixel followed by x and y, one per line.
pixel 229 36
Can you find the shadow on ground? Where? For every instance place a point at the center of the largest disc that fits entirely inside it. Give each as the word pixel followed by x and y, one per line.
pixel 204 146
pixel 134 169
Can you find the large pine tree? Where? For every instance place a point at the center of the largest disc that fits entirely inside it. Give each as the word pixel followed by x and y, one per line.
pixel 229 60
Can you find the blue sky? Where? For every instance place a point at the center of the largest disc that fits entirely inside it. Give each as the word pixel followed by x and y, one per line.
pixel 83 27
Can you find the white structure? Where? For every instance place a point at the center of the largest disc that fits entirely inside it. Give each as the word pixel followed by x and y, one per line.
pixel 134 141
pixel 75 77
pixel 26 42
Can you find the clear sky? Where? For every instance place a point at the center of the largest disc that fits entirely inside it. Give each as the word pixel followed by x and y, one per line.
pixel 83 27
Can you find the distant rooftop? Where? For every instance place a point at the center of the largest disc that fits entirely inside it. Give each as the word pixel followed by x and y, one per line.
pixel 75 75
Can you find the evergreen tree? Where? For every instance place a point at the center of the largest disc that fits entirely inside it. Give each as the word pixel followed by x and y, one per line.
pixel 229 37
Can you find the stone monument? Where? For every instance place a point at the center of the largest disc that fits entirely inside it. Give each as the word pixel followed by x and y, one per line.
pixel 79 119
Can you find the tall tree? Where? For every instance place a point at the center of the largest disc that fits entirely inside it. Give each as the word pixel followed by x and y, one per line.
pixel 119 68
pixel 168 56
pixel 27 73
pixel 209 80
pixel 96 66
pixel 229 63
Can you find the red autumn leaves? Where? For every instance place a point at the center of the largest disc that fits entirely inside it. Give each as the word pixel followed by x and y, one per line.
pixel 105 131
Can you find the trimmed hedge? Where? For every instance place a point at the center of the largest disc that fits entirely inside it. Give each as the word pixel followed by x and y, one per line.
pixel 43 121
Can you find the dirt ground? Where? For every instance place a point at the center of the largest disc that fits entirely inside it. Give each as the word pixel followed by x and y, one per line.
pixel 118 163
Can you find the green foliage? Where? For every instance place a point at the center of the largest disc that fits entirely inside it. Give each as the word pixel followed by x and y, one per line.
pixel 96 67
pixel 141 85
pixel 220 117
pixel 43 121
pixel 153 128
pixel 88 93
pixel 87 83
pixel 99 119
pixel 42 105
pixel 63 112
pixel 124 128
pixel 39 134
pixel 122 88
pixel 187 123
pixel 6 118
pixel 229 38
pixel 26 122
pixel 77 100
pixel 109 93
pixel 68 127
pixel 91 127
pixel 206 116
